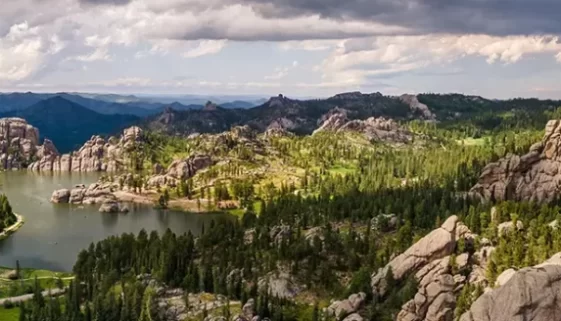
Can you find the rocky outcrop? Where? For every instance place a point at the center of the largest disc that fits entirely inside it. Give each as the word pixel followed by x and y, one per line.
pixel 97 154
pixel 436 245
pixel 19 144
pixel 96 193
pixel 280 285
pixel 416 106
pixel 61 196
pixel 535 176
pixel 180 170
pixel 113 207
pixel 529 294
pixel 439 279
pixel 347 307
pixel 378 129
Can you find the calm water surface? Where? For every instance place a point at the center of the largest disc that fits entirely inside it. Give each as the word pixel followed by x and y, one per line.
pixel 53 234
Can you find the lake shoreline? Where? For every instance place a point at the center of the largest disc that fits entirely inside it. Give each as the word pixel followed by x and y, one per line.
pixel 12 228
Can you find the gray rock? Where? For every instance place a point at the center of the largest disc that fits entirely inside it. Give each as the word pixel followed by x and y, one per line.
pixel 109 207
pixel 340 309
pixel 535 176
pixel 507 227
pixel 248 308
pixel 280 285
pixel 353 317
pixel 531 294
pixel 60 196
pixel 437 244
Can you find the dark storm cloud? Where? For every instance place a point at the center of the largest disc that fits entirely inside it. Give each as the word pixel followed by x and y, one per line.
pixel 499 17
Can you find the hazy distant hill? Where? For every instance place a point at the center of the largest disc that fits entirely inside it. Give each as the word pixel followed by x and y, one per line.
pixel 69 124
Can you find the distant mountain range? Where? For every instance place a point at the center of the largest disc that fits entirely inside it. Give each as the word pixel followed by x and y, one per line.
pixel 70 119
pixel 114 104
pixel 69 124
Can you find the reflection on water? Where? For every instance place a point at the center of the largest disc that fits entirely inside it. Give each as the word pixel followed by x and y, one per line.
pixel 53 234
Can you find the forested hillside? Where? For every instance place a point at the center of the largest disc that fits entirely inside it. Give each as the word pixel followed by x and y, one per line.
pixel 348 223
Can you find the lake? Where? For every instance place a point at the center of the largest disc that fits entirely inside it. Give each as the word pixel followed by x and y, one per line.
pixel 53 234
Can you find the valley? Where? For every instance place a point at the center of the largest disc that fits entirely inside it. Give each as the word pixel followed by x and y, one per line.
pixel 355 207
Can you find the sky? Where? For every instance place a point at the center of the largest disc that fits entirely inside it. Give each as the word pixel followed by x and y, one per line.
pixel 312 48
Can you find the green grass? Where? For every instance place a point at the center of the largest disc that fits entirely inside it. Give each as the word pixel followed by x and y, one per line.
pixel 9 314
pixel 47 280
pixel 342 169
pixel 472 141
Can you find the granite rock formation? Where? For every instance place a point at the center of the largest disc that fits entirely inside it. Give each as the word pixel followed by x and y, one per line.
pixel 19 144
pixel 429 261
pixel 97 154
pixel 181 170
pixel 535 176
pixel 378 129
pixel 532 293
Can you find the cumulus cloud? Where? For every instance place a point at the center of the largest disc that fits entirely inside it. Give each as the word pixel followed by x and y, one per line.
pixel 23 51
pixel 497 17
pixel 359 58
pixel 206 47
pixel 363 39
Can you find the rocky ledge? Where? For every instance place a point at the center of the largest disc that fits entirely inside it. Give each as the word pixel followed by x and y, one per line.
pixel 97 154
pixel 96 193
pixel 19 144
pixel 529 294
pixel 430 261
pixel 535 176
pixel 377 129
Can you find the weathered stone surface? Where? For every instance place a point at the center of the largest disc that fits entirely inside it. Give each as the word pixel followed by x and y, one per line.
pixel 340 309
pixel 60 196
pixel 535 176
pixel 280 285
pixel 437 244
pixel 504 277
pixel 379 129
pixel 530 294
pixel 95 193
pixel 97 154
pixel 417 106
pixel 181 170
pixel 113 207
pixel 507 227
pixel 19 145
pixel 354 317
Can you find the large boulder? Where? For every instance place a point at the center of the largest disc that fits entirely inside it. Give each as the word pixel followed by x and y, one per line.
pixel 60 196
pixel 535 176
pixel 436 245
pixel 340 309
pixel 281 285
pixel 529 294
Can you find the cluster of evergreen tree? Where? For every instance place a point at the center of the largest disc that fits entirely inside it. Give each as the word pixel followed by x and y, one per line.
pixel 7 217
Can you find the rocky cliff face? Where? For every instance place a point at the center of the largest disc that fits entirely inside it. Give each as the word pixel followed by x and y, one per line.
pixel 530 294
pixel 416 106
pixel 97 154
pixel 19 144
pixel 180 170
pixel 535 176
pixel 429 260
pixel 378 129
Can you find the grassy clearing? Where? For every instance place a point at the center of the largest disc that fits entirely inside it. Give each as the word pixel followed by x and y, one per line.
pixel 25 284
pixel 9 314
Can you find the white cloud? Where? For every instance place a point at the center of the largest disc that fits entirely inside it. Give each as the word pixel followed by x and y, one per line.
pixel 206 47
pixel 100 54
pixel 358 58
pixel 281 72
pixel 23 51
